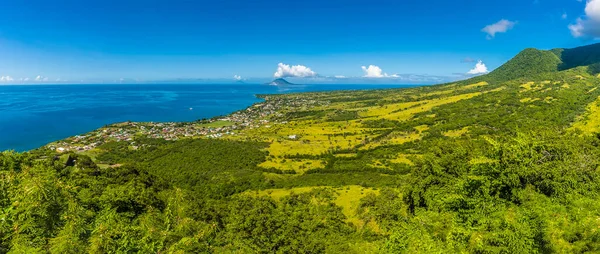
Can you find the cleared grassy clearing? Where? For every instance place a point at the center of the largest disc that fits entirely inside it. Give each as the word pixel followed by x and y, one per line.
pixel 347 197
pixel 313 145
pixel 549 99
pixel 532 86
pixel 456 133
pixel 298 165
pixel 404 158
pixel 529 100
pixel 388 109
pixel 589 123
pixel 476 85
pixel 312 137
pixel 378 164
pixel 394 138
pixel 345 155
pixel 527 86
pixel 427 105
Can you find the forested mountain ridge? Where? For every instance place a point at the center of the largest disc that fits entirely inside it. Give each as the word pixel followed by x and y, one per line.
pixel 532 61
pixel 502 163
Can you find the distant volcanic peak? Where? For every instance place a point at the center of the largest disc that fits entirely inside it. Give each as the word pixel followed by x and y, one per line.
pixel 279 82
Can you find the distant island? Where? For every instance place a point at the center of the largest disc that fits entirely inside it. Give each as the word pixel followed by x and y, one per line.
pixel 280 82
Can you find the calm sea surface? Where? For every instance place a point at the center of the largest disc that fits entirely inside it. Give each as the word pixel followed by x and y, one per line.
pixel 34 115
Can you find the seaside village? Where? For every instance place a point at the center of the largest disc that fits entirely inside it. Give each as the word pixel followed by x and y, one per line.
pixel 259 115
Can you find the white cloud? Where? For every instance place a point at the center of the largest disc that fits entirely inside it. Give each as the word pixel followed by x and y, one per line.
pixel 40 78
pixel 592 9
pixel 564 16
pixel 479 68
pixel 589 25
pixel 340 76
pixel 298 71
pixel 501 26
pixel 373 71
pixel 577 29
pixel 237 77
pixel 6 79
pixel 26 79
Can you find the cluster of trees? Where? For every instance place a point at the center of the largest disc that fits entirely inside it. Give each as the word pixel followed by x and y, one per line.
pixel 535 193
pixel 181 197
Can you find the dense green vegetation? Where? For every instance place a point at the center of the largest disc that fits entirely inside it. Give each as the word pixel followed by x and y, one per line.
pixel 49 205
pixel 531 62
pixel 526 64
pixel 494 164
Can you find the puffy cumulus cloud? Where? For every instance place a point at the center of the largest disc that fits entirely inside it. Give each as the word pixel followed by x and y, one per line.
pixel 373 71
pixel 501 26
pixel 296 71
pixel 6 79
pixel 479 68
pixel 589 25
pixel 592 9
pixel 237 77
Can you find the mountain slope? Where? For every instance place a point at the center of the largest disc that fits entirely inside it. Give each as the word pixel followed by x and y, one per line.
pixel 528 62
pixel 531 62
pixel 581 56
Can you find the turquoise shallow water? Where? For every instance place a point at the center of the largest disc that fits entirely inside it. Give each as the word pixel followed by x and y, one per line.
pixel 34 115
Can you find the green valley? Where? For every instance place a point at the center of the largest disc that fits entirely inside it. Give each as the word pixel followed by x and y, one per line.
pixel 507 162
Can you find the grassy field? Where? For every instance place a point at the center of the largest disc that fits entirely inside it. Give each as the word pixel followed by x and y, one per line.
pixel 590 122
pixel 342 127
pixel 347 197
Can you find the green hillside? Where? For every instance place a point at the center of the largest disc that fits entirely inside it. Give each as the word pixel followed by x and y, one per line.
pixel 581 56
pixel 533 62
pixel 527 63
pixel 507 162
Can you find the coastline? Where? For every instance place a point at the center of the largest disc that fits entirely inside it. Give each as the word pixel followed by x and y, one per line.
pixel 75 121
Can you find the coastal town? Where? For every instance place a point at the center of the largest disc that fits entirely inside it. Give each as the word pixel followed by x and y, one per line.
pixel 259 115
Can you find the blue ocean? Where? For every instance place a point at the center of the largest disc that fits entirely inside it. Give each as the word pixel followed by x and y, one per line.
pixel 34 115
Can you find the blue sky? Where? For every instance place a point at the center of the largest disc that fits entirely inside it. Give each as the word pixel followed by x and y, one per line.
pixel 97 41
